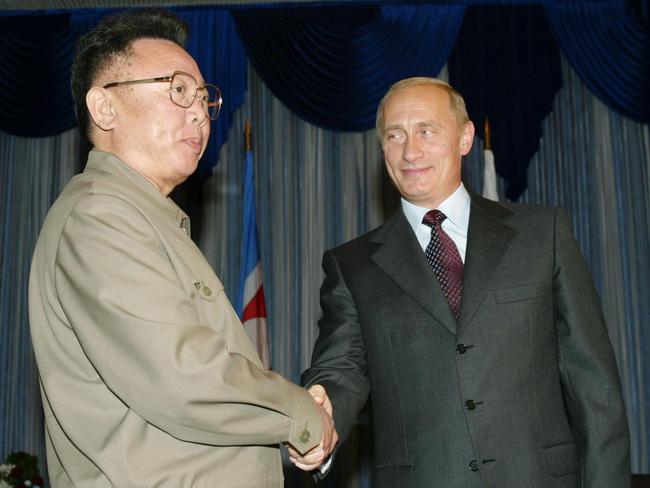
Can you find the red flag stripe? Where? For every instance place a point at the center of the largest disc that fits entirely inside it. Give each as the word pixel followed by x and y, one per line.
pixel 255 307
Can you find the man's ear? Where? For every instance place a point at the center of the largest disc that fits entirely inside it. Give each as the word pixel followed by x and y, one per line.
pixel 100 106
pixel 467 138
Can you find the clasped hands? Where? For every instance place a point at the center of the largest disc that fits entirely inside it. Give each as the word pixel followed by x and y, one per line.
pixel 318 455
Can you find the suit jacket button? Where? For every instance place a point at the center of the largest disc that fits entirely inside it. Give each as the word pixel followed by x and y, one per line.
pixel 473 465
pixel 461 349
pixel 470 404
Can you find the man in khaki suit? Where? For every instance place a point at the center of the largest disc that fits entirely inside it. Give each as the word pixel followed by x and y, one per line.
pixel 147 376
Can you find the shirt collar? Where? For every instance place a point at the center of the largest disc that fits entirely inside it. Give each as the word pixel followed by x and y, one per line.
pixel 455 207
pixel 109 163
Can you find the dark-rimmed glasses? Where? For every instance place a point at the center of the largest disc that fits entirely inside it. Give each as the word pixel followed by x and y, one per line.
pixel 183 89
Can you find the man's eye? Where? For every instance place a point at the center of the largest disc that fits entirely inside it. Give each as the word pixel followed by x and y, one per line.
pixel 178 88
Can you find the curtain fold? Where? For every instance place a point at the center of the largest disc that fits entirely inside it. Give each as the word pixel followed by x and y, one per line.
pixel 331 65
pixel 37 53
pixel 35 62
pixel 507 66
pixel 331 62
pixel 32 173
pixel 214 44
pixel 608 45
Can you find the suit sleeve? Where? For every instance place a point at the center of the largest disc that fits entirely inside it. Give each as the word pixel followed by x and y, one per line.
pixel 142 333
pixel 588 368
pixel 339 359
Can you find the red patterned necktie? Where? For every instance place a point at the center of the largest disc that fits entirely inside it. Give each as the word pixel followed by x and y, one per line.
pixel 444 258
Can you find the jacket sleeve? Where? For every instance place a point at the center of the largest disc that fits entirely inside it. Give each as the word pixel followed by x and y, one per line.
pixel 339 359
pixel 142 332
pixel 588 368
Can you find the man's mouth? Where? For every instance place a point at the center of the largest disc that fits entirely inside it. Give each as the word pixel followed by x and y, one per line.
pixel 195 143
pixel 413 172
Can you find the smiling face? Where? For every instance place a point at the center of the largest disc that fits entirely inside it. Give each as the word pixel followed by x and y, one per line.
pixel 159 139
pixel 423 143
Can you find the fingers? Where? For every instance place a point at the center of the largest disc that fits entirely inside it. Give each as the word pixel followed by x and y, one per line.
pixel 330 436
pixel 310 460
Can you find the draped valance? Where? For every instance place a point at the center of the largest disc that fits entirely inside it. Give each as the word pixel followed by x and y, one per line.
pixel 332 62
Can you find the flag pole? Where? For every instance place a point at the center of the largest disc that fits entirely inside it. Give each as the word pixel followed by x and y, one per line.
pixel 486 131
pixel 247 134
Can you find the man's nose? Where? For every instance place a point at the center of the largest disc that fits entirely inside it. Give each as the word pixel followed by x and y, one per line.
pixel 198 111
pixel 411 150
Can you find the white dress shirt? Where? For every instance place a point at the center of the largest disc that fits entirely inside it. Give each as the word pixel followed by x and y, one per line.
pixel 455 207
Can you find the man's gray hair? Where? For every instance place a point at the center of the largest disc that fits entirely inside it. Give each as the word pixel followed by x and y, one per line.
pixel 456 102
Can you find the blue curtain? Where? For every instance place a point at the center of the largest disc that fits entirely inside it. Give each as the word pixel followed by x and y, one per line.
pixel 507 66
pixel 215 45
pixel 324 184
pixel 37 51
pixel 332 64
pixel 35 60
pixel 608 44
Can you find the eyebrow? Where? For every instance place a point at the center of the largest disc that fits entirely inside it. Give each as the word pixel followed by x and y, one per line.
pixel 423 123
pixel 432 123
pixel 393 127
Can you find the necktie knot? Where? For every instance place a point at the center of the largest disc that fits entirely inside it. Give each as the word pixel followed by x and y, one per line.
pixel 433 217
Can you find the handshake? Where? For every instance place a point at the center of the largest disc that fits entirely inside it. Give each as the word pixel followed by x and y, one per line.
pixel 314 458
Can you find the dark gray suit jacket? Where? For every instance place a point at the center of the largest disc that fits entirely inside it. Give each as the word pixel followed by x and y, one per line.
pixel 522 391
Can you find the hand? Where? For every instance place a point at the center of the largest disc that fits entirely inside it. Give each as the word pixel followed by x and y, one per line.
pixel 319 395
pixel 316 456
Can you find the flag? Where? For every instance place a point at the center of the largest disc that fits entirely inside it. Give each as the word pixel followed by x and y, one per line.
pixel 250 304
pixel 489 176
pixel 489 172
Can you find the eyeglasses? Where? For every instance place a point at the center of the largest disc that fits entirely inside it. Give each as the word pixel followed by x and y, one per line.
pixel 183 89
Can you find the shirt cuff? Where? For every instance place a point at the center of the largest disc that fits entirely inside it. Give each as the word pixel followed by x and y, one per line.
pixel 325 467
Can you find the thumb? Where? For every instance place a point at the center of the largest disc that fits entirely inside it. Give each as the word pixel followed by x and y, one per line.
pixel 318 394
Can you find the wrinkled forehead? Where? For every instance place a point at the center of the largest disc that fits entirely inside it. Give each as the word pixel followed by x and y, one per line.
pixel 158 57
pixel 419 95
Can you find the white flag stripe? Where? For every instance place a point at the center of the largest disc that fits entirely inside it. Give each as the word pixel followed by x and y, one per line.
pixel 256 330
pixel 252 284
pixel 489 177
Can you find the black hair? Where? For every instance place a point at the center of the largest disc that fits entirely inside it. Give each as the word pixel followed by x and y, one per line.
pixel 112 38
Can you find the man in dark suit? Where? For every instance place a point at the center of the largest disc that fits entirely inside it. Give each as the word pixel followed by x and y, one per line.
pixel 480 341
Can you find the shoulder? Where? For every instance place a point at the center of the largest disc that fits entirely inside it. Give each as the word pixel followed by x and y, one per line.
pixel 370 240
pixel 516 214
pixel 93 203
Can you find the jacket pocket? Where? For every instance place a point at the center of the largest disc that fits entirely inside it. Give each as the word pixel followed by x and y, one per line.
pixel 561 459
pixel 525 291
pixel 391 475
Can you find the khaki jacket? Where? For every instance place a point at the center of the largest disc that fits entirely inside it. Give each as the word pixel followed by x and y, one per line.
pixel 148 378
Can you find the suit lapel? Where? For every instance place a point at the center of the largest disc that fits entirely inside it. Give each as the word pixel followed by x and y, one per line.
pixel 401 257
pixel 488 239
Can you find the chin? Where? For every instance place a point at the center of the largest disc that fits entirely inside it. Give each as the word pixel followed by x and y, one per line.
pixel 190 164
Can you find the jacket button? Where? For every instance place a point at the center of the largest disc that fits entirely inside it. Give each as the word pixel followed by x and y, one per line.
pixel 461 349
pixel 473 465
pixel 470 404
